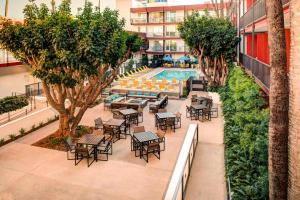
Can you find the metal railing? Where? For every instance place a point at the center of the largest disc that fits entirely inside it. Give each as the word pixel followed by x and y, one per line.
pixel 155 34
pixel 138 20
pixel 259 11
pixel 177 186
pixel 174 19
pixel 155 48
pixel 259 70
pixel 171 34
pixel 156 19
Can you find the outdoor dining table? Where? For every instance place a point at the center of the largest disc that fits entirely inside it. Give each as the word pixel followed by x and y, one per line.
pixel 144 138
pixel 127 113
pixel 92 140
pixel 116 123
pixel 198 107
pixel 164 116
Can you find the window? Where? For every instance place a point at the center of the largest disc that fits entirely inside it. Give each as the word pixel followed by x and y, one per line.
pixel 171 16
pixel 171 45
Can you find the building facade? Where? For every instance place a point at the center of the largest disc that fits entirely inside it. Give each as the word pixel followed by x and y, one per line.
pixel 254 50
pixel 159 20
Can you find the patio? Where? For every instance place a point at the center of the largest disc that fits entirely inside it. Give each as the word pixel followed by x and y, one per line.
pixel 30 172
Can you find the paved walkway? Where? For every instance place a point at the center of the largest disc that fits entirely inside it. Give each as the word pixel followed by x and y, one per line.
pixel 29 172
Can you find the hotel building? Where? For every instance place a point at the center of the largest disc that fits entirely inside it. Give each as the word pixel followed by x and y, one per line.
pixel 159 20
pixel 254 50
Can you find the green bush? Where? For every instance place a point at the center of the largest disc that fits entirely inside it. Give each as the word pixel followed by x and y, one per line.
pixel 22 131
pixel 12 103
pixel 246 136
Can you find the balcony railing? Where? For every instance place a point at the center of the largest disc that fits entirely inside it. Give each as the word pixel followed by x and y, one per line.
pixel 174 19
pixel 258 69
pixel 156 48
pixel 155 34
pixel 156 20
pixel 259 8
pixel 172 34
pixel 138 20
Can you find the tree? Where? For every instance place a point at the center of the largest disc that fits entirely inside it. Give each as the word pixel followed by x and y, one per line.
pixel 213 41
pixel 294 108
pixel 74 57
pixel 279 101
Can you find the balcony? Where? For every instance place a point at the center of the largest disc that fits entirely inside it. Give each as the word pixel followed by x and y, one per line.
pixel 138 20
pixel 174 19
pixel 155 34
pixel 156 20
pixel 259 70
pixel 172 34
pixel 257 11
pixel 156 48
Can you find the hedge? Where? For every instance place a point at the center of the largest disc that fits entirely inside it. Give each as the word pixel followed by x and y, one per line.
pixel 246 136
pixel 12 103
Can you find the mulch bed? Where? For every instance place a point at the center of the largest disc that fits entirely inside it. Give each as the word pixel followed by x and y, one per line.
pixel 54 142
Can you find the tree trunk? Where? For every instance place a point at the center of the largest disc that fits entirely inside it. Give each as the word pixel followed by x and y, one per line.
pixel 294 111
pixel 279 99
pixel 64 128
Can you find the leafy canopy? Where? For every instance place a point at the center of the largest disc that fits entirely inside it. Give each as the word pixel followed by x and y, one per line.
pixel 215 36
pixel 63 49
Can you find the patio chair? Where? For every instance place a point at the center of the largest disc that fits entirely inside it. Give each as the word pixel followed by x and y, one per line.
pixel 107 105
pixel 153 148
pixel 162 139
pixel 138 129
pixel 98 123
pixel 70 147
pixel 213 110
pixel 170 122
pixel 134 119
pixel 113 132
pixel 140 114
pixel 162 110
pixel 188 112
pixel 134 144
pixel 84 152
pixel 178 119
pixel 105 148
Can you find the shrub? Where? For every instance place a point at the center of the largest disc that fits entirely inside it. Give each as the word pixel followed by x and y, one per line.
pixel 41 124
pixel 22 131
pixel 246 136
pixel 2 141
pixel 12 136
pixel 12 103
pixel 53 140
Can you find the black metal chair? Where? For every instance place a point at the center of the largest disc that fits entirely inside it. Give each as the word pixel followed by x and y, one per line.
pixel 82 152
pixel 70 147
pixel 153 148
pixel 178 119
pixel 134 143
pixel 140 114
pixel 98 123
pixel 170 122
pixel 162 139
pixel 215 110
pixel 105 148
pixel 113 132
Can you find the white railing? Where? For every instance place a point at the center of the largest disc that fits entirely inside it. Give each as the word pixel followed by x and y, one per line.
pixel 178 182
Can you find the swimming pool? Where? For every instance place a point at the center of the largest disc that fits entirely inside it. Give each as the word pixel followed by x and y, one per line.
pixel 177 74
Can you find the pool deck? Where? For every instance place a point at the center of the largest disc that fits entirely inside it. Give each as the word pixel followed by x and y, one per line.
pixel 173 94
pixel 30 172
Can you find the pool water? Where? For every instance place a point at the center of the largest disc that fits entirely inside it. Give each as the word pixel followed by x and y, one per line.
pixel 178 75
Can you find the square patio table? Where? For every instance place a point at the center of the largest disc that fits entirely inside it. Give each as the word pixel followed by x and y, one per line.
pixel 93 140
pixel 144 137
pixel 165 115
pixel 198 108
pixel 115 122
pixel 127 112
